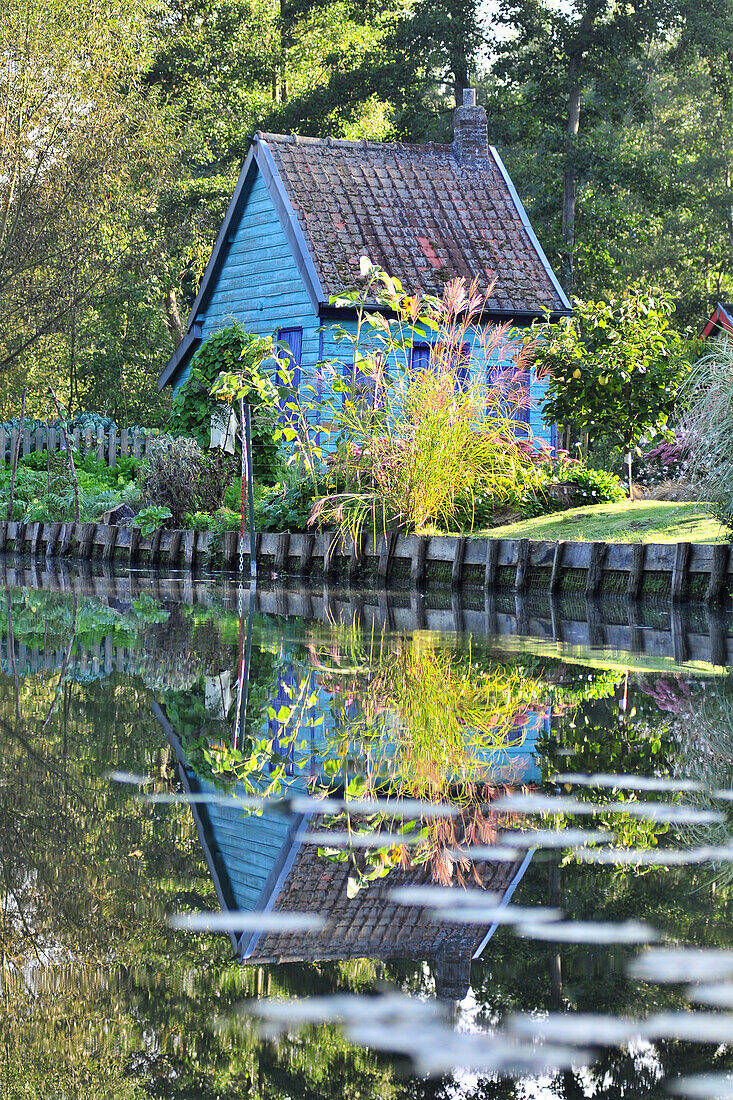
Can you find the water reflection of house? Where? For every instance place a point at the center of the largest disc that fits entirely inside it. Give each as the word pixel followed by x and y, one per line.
pixel 331 713
pixel 260 863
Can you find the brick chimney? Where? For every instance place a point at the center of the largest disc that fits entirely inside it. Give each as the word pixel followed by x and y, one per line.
pixel 470 132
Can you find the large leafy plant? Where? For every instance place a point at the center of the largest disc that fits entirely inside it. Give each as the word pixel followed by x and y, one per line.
pixel 615 368
pixel 231 352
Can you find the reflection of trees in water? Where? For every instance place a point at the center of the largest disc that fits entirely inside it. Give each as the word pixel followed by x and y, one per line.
pixel 176 652
pixel 412 717
pixel 97 997
pixel 703 726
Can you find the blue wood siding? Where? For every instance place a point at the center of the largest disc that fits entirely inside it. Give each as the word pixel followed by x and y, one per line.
pixel 259 283
pixel 246 849
pixel 538 428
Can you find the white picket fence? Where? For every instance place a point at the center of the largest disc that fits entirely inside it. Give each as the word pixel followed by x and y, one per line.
pixel 108 444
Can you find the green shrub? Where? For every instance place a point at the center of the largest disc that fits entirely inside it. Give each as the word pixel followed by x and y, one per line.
pixel 193 403
pixel 124 471
pixel 180 476
pixel 414 447
pixel 286 508
pixel 589 487
pixel 708 428
pixel 223 520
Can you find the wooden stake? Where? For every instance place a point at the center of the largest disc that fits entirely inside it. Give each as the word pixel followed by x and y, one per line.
pixel 16 455
pixel 69 455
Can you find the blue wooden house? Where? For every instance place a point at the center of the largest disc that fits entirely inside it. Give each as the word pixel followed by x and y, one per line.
pixel 305 210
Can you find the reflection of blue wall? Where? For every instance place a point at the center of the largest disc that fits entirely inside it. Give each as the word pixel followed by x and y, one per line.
pixel 319 726
pixel 247 849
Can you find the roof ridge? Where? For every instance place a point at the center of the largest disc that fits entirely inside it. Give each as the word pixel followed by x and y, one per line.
pixel 352 143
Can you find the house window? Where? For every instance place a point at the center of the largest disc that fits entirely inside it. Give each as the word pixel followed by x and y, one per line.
pixel 419 357
pixel 459 362
pixel 293 339
pixel 515 384
pixel 360 385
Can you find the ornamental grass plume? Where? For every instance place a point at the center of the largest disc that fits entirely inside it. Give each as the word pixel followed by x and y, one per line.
pixel 416 446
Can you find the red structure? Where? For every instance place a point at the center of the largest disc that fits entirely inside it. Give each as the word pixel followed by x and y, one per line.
pixel 721 321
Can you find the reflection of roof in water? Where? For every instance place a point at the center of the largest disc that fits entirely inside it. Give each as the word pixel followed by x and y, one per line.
pixel 259 864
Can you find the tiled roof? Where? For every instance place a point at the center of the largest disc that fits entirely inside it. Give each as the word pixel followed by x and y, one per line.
pixel 372 925
pixel 417 212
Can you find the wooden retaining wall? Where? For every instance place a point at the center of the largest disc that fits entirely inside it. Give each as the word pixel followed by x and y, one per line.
pixel 677 571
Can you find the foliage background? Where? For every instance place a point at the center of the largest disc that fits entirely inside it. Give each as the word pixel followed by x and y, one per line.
pixel 614 122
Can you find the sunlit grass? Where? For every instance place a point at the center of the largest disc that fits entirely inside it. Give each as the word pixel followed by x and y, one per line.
pixel 629 521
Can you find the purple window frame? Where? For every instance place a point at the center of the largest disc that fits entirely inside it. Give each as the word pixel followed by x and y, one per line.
pixel 293 337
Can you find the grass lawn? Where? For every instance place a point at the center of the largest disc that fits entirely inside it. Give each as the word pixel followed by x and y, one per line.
pixel 638 521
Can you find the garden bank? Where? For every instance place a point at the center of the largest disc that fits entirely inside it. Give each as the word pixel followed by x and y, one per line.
pixel 699 572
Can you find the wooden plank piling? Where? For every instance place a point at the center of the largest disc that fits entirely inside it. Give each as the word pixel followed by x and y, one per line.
pixel 155 540
pixel 417 564
pixel 281 552
pixel 718 573
pixel 555 572
pixel 356 554
pixel 108 543
pixel 174 552
pixel 459 554
pixel 86 541
pixel 521 575
pixel 330 546
pixel 306 554
pixel 52 538
pixel 385 548
pixel 189 548
pixel 491 569
pixel 679 570
pixel 595 569
pixel 229 549
pixel 135 537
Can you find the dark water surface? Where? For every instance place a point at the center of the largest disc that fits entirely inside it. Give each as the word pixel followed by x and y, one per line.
pixel 278 845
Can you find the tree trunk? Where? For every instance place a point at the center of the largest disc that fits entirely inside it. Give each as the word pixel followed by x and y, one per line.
pixel 16 454
pixel 69 454
pixel 173 317
pixel 459 68
pixel 569 183
pixel 729 198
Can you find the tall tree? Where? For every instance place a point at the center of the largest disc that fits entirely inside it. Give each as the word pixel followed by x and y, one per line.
pixel 581 65
pixel 81 157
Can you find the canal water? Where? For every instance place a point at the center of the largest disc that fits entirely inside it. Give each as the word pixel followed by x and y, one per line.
pixel 276 845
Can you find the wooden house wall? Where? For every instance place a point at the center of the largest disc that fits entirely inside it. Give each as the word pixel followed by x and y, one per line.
pixel 331 349
pixel 259 283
